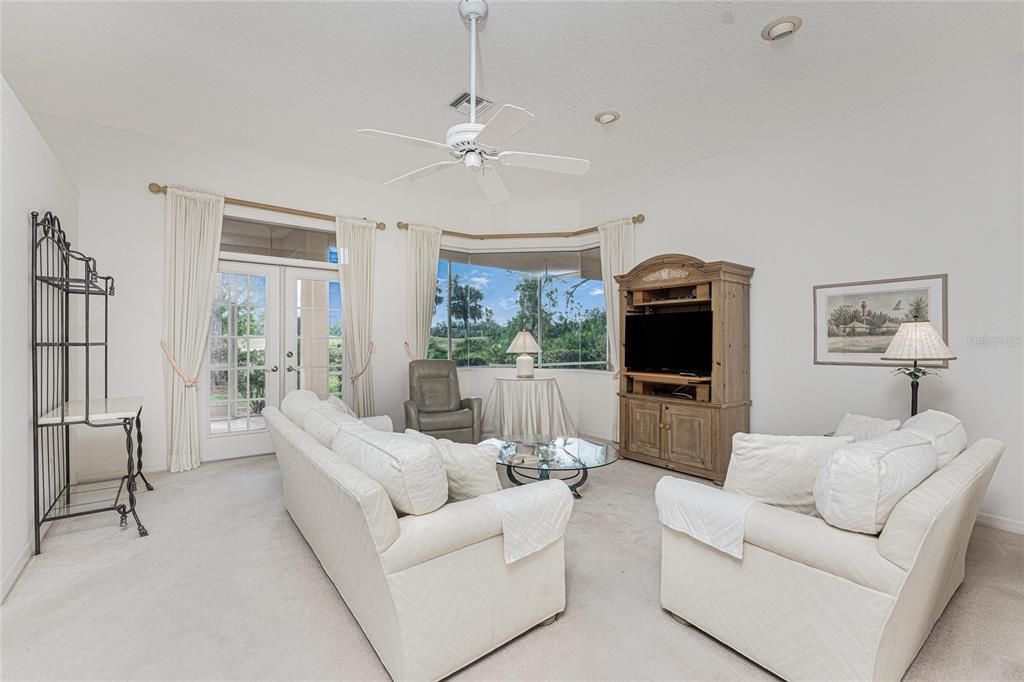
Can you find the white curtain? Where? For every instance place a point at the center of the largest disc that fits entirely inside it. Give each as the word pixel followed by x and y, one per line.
pixel 423 245
pixel 355 262
pixel 191 249
pixel 618 247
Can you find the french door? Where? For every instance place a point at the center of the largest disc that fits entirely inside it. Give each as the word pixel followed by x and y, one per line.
pixel 273 329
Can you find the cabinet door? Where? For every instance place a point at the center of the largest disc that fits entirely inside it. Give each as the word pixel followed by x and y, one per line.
pixel 644 427
pixel 687 435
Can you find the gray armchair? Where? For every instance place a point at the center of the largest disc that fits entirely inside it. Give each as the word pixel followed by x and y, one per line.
pixel 435 406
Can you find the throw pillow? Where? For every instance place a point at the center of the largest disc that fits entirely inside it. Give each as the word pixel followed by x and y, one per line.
pixel 341 405
pixel 409 470
pixel 779 470
pixel 471 469
pixel 297 403
pixel 862 482
pixel 323 420
pixel 865 428
pixel 945 432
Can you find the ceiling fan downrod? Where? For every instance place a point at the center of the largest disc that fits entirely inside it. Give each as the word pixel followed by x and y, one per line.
pixel 472 11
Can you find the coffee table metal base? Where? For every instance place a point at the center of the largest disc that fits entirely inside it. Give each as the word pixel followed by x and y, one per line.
pixel 575 481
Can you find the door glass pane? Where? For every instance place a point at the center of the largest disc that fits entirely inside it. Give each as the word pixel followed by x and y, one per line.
pixel 238 346
pixel 318 331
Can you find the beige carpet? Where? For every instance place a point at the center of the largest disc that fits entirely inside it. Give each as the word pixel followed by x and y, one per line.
pixel 226 588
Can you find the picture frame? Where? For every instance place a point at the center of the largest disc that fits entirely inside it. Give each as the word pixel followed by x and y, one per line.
pixel 855 321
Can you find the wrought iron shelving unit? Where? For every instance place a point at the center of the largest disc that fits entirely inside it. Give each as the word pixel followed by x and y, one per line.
pixel 57 292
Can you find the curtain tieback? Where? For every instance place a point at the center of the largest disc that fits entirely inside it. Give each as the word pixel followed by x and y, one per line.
pixel 366 364
pixel 190 382
pixel 408 350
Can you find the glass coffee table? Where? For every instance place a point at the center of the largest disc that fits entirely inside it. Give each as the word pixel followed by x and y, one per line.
pixel 533 458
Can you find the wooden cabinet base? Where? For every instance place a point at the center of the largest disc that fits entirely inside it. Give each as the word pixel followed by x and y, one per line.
pixel 695 439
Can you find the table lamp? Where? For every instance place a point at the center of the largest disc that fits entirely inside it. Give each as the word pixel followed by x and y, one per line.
pixel 915 341
pixel 525 344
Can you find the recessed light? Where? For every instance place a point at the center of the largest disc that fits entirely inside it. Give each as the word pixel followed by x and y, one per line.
pixel 781 28
pixel 606 117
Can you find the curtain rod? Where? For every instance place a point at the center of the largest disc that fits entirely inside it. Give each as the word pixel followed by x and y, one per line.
pixel 637 220
pixel 162 189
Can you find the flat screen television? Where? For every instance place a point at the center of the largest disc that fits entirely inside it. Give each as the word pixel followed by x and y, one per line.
pixel 675 343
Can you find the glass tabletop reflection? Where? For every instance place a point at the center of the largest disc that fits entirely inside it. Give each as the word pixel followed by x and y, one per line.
pixel 562 453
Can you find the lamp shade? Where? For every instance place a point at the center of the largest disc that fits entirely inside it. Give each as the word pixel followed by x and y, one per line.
pixel 918 341
pixel 523 343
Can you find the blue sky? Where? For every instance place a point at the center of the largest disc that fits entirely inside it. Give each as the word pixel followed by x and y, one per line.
pixel 498 286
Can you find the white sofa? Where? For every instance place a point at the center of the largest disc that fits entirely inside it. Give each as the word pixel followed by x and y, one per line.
pixel 811 602
pixel 431 592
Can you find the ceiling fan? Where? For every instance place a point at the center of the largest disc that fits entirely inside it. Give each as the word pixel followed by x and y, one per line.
pixel 475 145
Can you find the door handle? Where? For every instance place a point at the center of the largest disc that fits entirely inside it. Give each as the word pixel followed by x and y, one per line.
pixel 274 368
pixel 289 368
pixel 289 354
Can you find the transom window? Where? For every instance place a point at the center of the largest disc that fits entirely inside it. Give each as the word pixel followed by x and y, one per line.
pixel 259 238
pixel 483 299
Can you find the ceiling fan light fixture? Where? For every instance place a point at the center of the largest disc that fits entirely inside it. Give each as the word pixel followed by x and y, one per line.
pixel 781 28
pixel 606 117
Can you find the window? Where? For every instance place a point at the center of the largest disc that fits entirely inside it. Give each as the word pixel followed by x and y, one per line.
pixel 238 342
pixel 283 241
pixel 484 299
pixel 318 336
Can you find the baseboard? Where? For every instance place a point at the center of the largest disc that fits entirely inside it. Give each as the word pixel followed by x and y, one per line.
pixel 1000 522
pixel 19 566
pixel 15 570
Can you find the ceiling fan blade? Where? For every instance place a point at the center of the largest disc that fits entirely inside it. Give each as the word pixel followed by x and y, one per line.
pixel 422 172
pixel 490 182
pixel 508 121
pixel 430 144
pixel 545 162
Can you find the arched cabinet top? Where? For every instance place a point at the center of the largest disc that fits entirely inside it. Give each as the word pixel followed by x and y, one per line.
pixel 678 268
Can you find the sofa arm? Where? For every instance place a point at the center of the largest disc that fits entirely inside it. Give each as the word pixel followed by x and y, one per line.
pixel 477 406
pixel 381 422
pixel 450 528
pixel 412 415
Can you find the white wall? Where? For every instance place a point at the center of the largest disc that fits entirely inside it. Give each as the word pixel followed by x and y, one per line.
pixel 924 182
pixel 32 181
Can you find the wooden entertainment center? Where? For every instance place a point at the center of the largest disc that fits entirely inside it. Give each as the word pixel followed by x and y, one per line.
pixel 679 421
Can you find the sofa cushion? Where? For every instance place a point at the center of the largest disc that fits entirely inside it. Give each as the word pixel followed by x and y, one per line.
pixel 779 470
pixel 862 482
pixel 471 469
pixel 409 469
pixel 323 420
pixel 865 428
pixel 297 403
pixel 446 421
pixel 944 431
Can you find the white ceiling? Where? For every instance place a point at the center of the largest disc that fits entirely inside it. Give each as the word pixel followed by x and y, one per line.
pixel 295 80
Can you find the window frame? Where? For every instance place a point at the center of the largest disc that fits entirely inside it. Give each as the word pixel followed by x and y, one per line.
pixel 585 366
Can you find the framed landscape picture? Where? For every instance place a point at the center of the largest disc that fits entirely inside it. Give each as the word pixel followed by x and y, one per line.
pixel 855 321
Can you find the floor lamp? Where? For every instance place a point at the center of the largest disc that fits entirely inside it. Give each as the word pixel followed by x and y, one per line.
pixel 917 341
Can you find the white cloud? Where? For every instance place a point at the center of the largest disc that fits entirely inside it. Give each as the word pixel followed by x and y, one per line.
pixel 480 281
pixel 597 291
